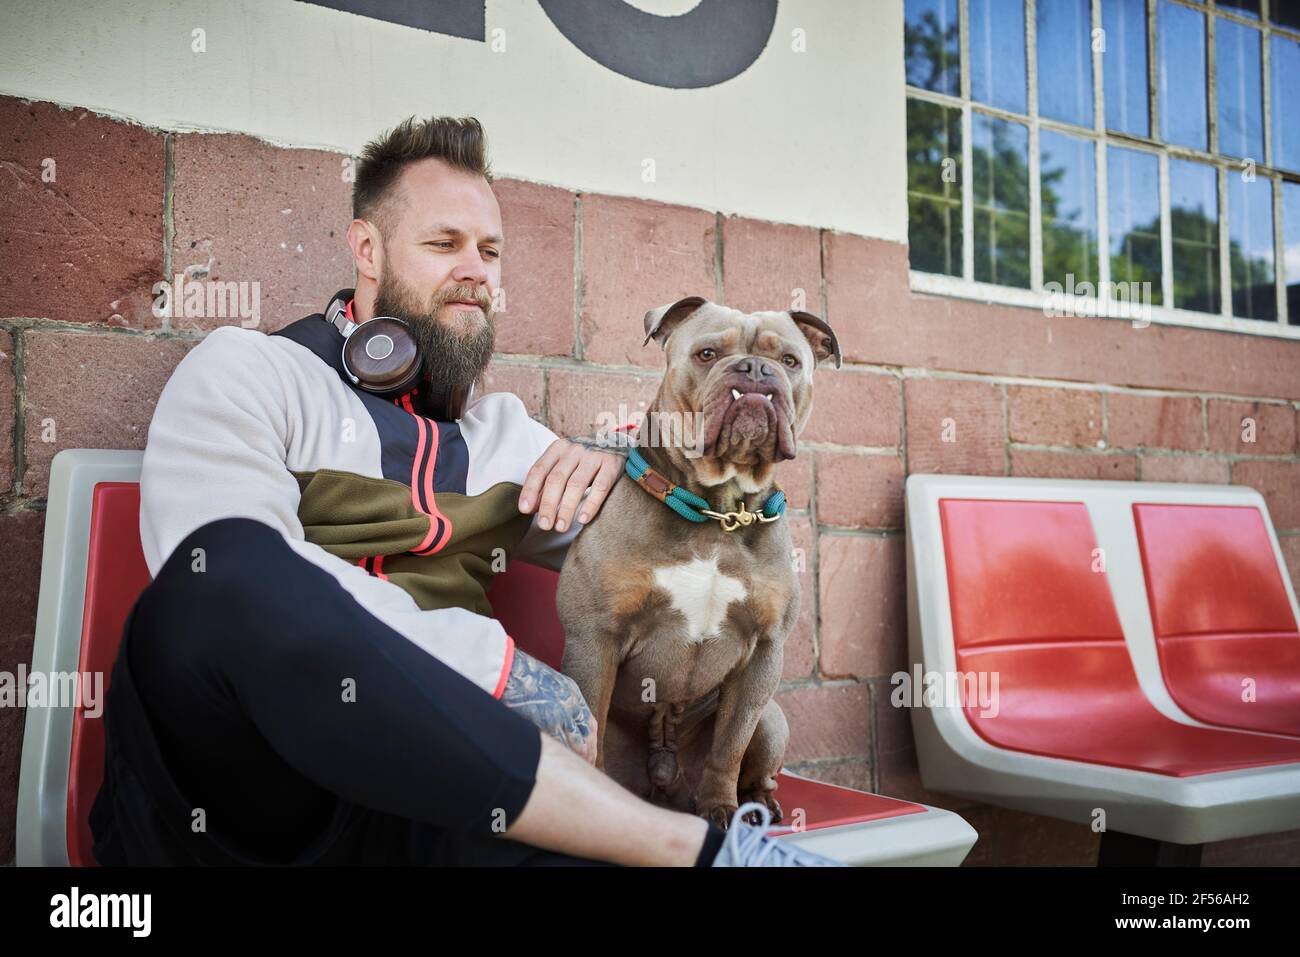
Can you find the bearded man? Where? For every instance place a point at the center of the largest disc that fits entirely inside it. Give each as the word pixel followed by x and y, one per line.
pixel 314 676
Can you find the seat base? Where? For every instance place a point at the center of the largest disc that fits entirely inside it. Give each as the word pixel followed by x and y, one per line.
pixel 920 836
pixel 1129 850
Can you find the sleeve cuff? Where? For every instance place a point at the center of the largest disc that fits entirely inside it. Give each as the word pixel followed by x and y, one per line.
pixel 505 668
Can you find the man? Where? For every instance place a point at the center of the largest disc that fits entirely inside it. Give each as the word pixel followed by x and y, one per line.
pixel 314 675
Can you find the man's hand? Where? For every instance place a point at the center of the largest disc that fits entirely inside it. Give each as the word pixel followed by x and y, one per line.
pixel 557 480
pixel 553 702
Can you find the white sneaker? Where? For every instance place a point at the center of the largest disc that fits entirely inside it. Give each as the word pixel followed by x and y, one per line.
pixel 747 845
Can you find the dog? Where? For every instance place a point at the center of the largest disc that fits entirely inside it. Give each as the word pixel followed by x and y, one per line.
pixel 676 615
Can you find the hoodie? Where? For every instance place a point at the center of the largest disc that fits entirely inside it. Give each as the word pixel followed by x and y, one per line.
pixel 410 515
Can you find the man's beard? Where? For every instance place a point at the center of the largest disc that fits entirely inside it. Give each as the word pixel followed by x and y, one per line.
pixel 455 352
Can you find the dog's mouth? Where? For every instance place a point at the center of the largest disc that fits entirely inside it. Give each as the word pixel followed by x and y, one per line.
pixel 737 395
pixel 749 423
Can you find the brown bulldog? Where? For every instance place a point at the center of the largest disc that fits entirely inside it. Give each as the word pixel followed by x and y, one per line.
pixel 675 627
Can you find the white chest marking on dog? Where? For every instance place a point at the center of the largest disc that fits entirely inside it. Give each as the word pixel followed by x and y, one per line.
pixel 701 594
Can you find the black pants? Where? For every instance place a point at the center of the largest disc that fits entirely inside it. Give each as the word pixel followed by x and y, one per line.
pixel 257 714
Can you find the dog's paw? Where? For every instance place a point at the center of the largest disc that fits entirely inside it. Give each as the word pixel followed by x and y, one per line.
pixel 767 799
pixel 719 815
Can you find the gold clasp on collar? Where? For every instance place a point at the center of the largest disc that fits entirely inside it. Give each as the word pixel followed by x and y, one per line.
pixel 730 521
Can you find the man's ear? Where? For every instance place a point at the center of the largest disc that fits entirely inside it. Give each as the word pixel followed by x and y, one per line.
pixel 820 336
pixel 367 251
pixel 659 323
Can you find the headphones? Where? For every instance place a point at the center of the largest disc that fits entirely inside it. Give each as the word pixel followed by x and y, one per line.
pixel 382 356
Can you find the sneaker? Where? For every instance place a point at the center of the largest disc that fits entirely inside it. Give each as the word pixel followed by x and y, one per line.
pixel 748 845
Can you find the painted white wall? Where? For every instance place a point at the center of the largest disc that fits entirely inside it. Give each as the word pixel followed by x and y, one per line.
pixel 815 138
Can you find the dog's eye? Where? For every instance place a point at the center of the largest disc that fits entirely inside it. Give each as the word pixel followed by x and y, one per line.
pixel 790 361
pixel 706 355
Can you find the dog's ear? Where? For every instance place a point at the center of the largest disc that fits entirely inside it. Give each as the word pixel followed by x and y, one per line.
pixel 659 323
pixel 820 336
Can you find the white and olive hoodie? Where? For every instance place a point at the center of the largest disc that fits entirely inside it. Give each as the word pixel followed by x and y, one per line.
pixel 405 512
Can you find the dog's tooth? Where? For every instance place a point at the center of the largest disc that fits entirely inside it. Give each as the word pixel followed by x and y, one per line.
pixel 735 393
pixel 768 396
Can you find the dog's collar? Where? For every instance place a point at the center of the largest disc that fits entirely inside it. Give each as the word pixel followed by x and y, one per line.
pixel 693 508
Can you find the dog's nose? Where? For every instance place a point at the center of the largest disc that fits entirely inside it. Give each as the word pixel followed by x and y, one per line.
pixel 757 369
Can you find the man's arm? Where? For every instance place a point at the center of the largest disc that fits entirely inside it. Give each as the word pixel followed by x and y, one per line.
pixel 571 476
pixel 217 449
pixel 564 476
pixel 553 702
pixel 603 441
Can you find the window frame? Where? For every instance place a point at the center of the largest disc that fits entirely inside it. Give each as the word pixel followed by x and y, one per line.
pixel 967 287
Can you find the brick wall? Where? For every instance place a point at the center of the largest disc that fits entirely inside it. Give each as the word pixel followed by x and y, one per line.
pixel 81 351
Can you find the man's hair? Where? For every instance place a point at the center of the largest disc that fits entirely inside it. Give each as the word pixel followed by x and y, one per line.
pixel 458 141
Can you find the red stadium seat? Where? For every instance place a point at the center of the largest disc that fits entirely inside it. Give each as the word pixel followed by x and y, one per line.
pixel 115 576
pixel 63 767
pixel 1224 627
pixel 1027 605
pixel 1118 623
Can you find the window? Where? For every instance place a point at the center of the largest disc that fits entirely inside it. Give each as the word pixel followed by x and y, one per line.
pixel 1112 149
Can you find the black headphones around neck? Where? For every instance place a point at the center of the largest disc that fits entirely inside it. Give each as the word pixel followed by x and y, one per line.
pixel 382 356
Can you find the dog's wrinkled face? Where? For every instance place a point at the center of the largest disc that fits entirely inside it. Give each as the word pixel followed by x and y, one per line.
pixel 746 377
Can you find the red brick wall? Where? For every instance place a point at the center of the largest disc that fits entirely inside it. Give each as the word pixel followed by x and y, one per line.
pixel 1027 395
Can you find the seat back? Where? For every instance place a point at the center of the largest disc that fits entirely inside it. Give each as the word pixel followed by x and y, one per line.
pixel 523 600
pixel 115 575
pixel 1029 608
pixel 1224 626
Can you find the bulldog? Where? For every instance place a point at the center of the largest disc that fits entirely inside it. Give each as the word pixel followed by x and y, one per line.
pixel 676 600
